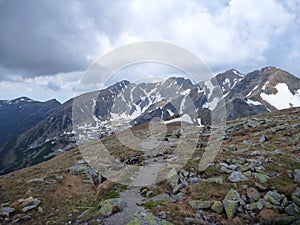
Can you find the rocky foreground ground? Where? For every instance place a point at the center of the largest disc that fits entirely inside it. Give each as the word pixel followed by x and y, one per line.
pixel 254 179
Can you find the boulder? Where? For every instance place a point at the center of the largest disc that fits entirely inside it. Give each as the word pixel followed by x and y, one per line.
pixel 292 209
pixel 231 202
pixel 275 198
pixel 237 176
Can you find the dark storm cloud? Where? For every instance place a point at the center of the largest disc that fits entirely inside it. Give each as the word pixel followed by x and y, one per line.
pixel 48 37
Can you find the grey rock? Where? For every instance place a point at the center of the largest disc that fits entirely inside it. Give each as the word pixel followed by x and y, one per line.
pixel 254 206
pixel 111 206
pixel 193 180
pixel 292 209
pixel 231 202
pixel 290 174
pixel 215 180
pixel 198 204
pixel 296 196
pixel 275 198
pixel 237 176
pixel 232 167
pixel 35 203
pixel 297 176
pixel 162 197
pixel 147 218
pixel 255 153
pixel 263 138
pixel 263 178
pixel 180 196
pixel 260 187
pixel 6 211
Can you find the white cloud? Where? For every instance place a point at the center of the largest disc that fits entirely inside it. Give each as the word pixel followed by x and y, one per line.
pixel 245 35
pixel 61 86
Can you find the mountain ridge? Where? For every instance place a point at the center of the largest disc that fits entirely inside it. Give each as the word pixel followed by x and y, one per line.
pixel 124 104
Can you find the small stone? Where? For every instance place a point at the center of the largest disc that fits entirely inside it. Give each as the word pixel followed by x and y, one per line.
pixel 297 176
pixel 232 167
pixel 237 176
pixel 6 211
pixel 253 194
pixel 111 206
pixel 217 207
pixel 260 187
pixel 255 153
pixel 40 210
pixel 263 178
pixel 254 206
pixel 232 147
pixel 292 209
pixel 59 177
pixel 263 138
pixel 198 204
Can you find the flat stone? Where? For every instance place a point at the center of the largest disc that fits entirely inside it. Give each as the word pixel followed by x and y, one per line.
pixel 6 211
pixel 237 176
pixel 260 187
pixel 199 204
pixel 162 197
pixel 263 178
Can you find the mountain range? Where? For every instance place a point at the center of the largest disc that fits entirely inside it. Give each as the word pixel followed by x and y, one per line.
pixel 32 131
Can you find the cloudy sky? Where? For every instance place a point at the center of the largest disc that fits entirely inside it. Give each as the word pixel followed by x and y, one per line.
pixel 45 46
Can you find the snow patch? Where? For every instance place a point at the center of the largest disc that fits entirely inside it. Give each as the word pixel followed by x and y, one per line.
pixel 184 118
pixel 251 102
pixel 283 98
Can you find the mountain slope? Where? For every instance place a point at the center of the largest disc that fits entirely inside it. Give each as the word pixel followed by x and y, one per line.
pixel 94 115
pixel 258 178
pixel 17 116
